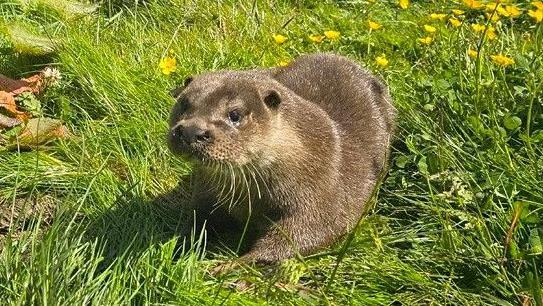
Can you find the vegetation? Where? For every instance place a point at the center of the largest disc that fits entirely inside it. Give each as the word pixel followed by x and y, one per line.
pixel 458 220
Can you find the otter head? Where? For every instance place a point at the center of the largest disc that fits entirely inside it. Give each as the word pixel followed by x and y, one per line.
pixel 222 117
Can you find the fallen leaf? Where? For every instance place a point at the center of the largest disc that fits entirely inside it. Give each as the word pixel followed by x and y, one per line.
pixel 26 40
pixel 15 87
pixel 40 131
pixel 8 103
pixel 7 122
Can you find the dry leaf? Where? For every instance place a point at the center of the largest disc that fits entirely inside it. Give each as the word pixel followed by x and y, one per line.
pixel 40 131
pixel 8 103
pixel 15 87
pixel 7 122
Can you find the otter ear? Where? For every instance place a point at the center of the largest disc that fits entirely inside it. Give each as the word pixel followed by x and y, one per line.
pixel 188 80
pixel 272 99
pixel 177 91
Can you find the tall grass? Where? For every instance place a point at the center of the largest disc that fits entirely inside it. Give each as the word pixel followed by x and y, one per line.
pixel 456 220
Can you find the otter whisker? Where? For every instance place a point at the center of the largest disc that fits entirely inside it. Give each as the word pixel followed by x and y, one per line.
pixel 223 196
pixel 232 186
pixel 241 195
pixel 263 180
pixel 249 211
pixel 253 175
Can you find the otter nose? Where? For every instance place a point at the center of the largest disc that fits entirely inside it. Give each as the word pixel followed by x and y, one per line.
pixel 194 134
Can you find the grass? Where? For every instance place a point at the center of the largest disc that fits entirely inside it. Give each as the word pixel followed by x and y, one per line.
pixel 457 220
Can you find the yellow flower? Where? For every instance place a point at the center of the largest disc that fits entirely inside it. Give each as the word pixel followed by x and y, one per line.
pixel 374 25
pixel 513 11
pixel 381 60
pixel 168 65
pixel 536 15
pixel 472 53
pixel 426 40
pixel 403 4
pixel 502 60
pixel 455 22
pixel 538 4
pixel 491 6
pixel 438 16
pixel 477 27
pixel 493 17
pixel 491 34
pixel 332 35
pixel 430 29
pixel 501 10
pixel 279 39
pixel 474 4
pixel 458 12
pixel 316 38
pixel 284 63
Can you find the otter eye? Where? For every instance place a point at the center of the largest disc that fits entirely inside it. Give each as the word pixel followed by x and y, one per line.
pixel 235 117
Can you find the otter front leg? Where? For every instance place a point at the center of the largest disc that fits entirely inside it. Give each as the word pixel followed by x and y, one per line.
pixel 299 233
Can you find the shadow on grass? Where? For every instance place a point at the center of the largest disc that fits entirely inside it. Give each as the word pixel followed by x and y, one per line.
pixel 134 225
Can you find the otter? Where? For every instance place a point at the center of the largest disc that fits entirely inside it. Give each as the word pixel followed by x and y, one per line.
pixel 290 153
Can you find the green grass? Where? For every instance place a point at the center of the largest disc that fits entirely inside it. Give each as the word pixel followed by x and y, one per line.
pixel 462 167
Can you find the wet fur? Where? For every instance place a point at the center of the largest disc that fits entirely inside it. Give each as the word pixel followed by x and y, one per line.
pixel 305 170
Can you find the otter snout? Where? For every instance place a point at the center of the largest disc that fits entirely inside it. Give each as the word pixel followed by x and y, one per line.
pixel 193 134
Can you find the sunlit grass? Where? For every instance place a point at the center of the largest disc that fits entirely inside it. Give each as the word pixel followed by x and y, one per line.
pixel 466 160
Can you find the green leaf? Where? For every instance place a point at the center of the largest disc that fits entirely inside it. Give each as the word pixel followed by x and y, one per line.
pixel 429 107
pixel 68 9
pixel 537 136
pixel 402 160
pixel 423 166
pixel 528 215
pixel 512 122
pixel 536 248
pixel 26 41
pixel 514 250
pixel 30 103
pixel 476 124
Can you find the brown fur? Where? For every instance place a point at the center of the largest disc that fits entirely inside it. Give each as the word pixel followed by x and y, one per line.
pixel 304 162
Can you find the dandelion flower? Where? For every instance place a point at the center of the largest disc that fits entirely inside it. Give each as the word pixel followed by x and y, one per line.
pixel 537 15
pixel 503 11
pixel 477 27
pixel 430 29
pixel 492 17
pixel 316 38
pixel 279 39
pixel 491 6
pixel 538 4
pixel 426 40
pixel 455 22
pixel 403 4
pixel 458 12
pixel 284 63
pixel 332 35
pixel 168 65
pixel 374 25
pixel 435 16
pixel 382 60
pixel 491 34
pixel 490 31
pixel 473 4
pixel 472 53
pixel 502 60
pixel 513 11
